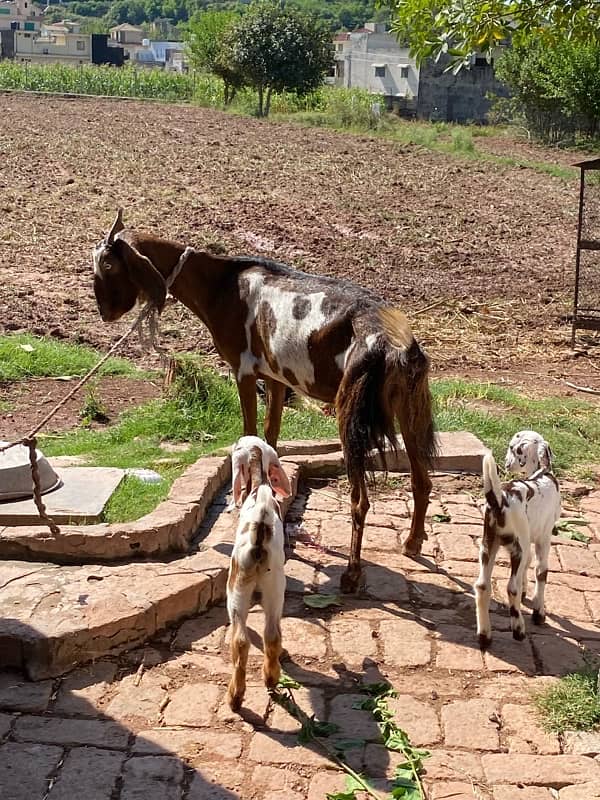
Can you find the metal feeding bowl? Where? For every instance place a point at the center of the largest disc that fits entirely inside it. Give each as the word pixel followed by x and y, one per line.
pixel 15 473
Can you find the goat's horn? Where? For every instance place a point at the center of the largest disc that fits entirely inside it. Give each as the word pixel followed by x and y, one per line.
pixel 116 227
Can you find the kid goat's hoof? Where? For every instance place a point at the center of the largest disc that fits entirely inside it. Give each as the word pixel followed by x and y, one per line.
pixel 519 635
pixel 537 618
pixel 484 641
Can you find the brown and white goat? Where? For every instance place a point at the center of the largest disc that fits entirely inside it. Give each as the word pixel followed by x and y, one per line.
pixel 323 337
pixel 257 561
pixel 517 515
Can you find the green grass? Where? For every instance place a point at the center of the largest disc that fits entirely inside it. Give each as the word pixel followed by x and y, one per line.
pixel 573 703
pixel 202 409
pixel 24 356
pixel 571 426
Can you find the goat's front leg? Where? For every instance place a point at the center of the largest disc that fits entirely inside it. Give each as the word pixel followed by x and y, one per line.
pixel 360 505
pixel 247 392
pixel 542 550
pixel 272 598
pixel 239 598
pixel 275 399
pixel 483 589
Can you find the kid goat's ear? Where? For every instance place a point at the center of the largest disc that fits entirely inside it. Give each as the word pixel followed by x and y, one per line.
pixel 545 455
pixel 278 479
pixel 240 477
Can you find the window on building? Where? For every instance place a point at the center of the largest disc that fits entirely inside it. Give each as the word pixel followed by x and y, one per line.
pixel 404 72
pixel 80 44
pixel 339 47
pixel 45 51
pixel 380 71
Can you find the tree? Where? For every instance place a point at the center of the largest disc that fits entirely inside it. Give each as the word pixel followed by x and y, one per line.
pixel 461 27
pixel 279 49
pixel 558 88
pixel 208 43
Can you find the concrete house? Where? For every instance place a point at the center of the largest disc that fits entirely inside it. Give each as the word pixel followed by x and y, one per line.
pixel 18 15
pixel 371 58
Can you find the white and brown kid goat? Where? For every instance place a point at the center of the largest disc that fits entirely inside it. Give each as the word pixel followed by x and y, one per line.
pixel 518 514
pixel 323 337
pixel 256 570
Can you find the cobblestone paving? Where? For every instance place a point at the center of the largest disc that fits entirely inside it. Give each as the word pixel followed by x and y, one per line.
pixel 152 724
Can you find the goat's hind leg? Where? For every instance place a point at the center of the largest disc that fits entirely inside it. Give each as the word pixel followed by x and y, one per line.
pixel 518 562
pixel 542 550
pixel 272 599
pixel 239 599
pixel 421 488
pixel 483 589
pixel 247 392
pixel 359 501
pixel 275 400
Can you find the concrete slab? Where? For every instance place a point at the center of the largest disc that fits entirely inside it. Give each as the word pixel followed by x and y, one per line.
pixel 81 498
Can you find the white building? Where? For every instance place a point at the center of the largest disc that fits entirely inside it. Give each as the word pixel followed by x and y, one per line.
pixel 371 58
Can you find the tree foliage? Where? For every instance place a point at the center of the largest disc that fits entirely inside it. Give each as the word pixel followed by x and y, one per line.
pixel 278 48
pixel 558 88
pixel 461 27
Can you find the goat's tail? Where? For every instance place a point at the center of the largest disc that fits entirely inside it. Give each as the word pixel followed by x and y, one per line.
pixel 382 383
pixel 254 552
pixel 492 488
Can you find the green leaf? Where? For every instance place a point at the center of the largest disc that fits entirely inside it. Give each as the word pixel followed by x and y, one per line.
pixel 442 518
pixel 348 744
pixel 321 600
pixel 341 796
pixel 285 682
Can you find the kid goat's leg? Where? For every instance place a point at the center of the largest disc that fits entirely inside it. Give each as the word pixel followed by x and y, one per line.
pixel 275 398
pixel 239 598
pixel 518 562
pixel 272 594
pixel 542 549
pixel 483 588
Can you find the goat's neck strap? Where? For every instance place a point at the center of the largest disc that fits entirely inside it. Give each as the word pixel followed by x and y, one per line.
pixel 170 280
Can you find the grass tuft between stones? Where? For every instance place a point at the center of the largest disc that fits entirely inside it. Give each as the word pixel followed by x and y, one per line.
pixel 571 704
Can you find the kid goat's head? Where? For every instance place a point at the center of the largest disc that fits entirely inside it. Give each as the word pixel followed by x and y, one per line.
pixel 123 275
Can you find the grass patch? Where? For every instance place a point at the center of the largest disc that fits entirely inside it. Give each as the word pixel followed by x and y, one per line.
pixel 572 427
pixel 24 356
pixel 573 703
pixel 202 409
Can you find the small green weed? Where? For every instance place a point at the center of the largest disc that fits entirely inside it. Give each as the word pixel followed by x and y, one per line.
pixel 462 141
pixel 573 703
pixel 93 409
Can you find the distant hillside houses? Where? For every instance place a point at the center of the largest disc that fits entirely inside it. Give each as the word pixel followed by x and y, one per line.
pixel 371 58
pixel 26 38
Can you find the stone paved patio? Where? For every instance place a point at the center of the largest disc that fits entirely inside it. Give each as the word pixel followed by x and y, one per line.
pixel 152 723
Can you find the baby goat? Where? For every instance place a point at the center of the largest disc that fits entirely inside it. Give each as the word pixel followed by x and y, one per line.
pixel 517 514
pixel 256 568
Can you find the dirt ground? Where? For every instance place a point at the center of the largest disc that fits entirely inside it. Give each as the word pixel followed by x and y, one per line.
pixel 480 255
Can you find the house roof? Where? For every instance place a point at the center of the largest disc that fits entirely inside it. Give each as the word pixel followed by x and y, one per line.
pixel 341 37
pixel 125 26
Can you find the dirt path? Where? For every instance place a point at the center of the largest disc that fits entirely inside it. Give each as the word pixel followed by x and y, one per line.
pixel 116 730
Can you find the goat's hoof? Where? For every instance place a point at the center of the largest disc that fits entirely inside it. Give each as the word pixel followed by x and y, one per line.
pixel 349 582
pixel 411 549
pixel 537 617
pixel 518 634
pixel 484 641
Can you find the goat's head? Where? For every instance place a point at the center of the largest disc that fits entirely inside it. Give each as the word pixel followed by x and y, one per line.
pixel 247 450
pixel 527 452
pixel 123 275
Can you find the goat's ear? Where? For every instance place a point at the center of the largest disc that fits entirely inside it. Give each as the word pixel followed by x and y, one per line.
pixel 545 455
pixel 278 479
pixel 116 227
pixel 239 479
pixel 143 273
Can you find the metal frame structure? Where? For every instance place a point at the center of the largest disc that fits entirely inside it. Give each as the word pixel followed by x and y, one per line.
pixel 586 316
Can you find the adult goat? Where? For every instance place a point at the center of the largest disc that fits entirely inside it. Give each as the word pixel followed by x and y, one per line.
pixel 324 337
